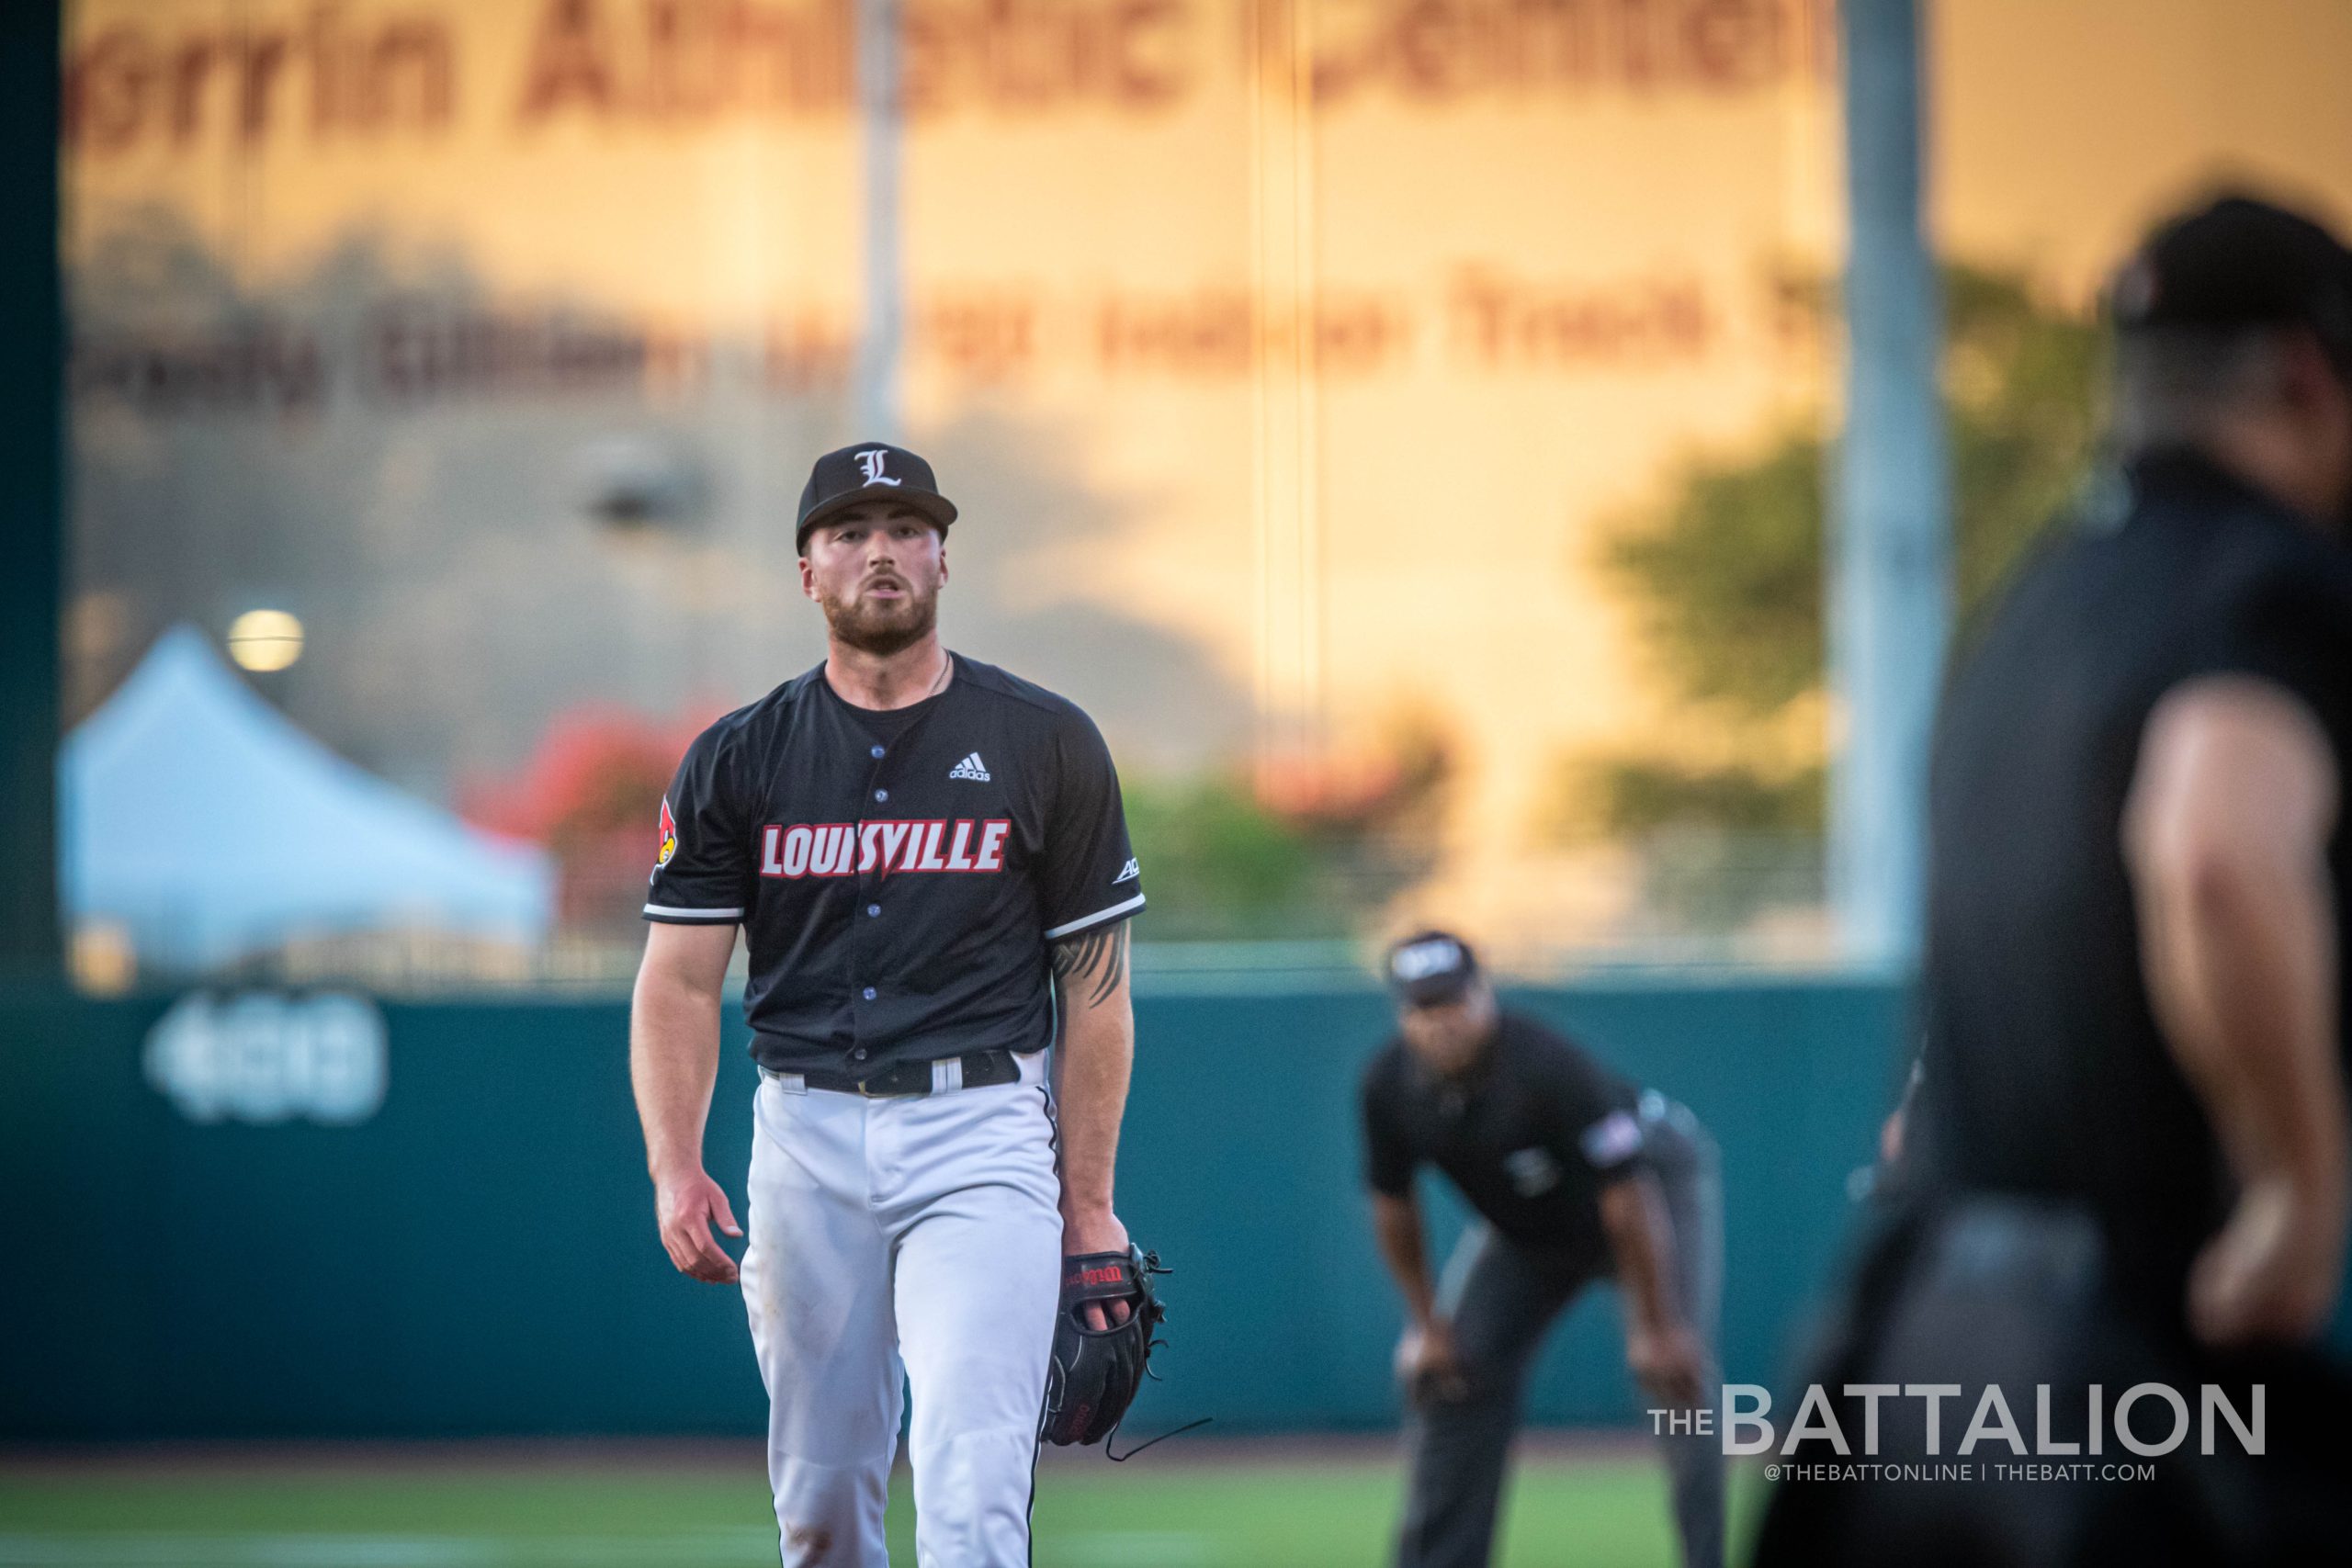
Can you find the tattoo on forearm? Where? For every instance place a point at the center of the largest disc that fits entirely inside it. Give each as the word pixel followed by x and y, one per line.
pixel 1096 960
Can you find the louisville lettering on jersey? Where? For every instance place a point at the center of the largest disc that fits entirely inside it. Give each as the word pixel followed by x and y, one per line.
pixel 847 848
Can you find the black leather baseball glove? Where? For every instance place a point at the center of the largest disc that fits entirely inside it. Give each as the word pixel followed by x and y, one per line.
pixel 1096 1372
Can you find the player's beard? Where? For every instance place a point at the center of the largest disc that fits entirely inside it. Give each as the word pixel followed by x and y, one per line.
pixel 883 627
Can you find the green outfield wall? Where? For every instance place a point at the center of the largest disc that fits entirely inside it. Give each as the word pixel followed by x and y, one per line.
pixel 477 1255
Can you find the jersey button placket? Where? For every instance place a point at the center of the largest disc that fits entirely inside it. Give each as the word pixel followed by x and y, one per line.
pixel 861 1053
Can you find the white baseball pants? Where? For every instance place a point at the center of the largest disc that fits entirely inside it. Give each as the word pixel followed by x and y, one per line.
pixel 919 1236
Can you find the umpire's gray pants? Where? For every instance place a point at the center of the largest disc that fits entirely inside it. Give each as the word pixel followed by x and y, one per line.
pixel 1500 1298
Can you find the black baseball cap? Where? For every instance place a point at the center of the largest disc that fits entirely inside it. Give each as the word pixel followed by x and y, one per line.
pixel 2240 262
pixel 872 470
pixel 1431 968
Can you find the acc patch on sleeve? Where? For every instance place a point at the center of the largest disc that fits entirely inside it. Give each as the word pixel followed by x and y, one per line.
pixel 1612 1140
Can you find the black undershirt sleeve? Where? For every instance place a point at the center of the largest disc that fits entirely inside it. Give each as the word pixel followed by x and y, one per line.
pixel 1597 1118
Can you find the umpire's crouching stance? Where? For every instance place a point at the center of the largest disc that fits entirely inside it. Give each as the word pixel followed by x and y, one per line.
pixel 1575 1175
pixel 2125 1174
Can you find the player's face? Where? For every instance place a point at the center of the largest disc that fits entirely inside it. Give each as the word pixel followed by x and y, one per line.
pixel 875 570
pixel 1449 1036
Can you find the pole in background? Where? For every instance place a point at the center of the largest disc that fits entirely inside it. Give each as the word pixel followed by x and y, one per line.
pixel 1889 592
pixel 1292 575
pixel 33 434
pixel 877 80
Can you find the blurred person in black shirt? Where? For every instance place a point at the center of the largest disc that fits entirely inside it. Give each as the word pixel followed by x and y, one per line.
pixel 1574 1175
pixel 2124 1159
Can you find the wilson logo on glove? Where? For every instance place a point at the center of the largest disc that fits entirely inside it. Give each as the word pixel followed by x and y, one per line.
pixel 1096 1372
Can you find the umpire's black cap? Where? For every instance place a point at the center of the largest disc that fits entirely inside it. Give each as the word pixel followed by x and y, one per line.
pixel 1431 968
pixel 2240 262
pixel 872 470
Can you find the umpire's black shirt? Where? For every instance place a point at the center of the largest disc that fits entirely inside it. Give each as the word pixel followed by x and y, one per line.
pixel 2045 1073
pixel 898 875
pixel 1530 1136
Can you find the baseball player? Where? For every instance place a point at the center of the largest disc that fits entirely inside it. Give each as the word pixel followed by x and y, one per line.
pixel 1574 1175
pixel 2124 1167
pixel 929 861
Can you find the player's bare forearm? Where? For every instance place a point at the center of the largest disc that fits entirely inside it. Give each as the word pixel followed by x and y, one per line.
pixel 1640 1231
pixel 2226 837
pixel 672 1063
pixel 1397 1224
pixel 2230 813
pixel 1093 1061
pixel 673 1040
pixel 2244 957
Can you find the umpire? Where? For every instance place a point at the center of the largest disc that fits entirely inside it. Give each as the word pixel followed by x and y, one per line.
pixel 1574 1175
pixel 2126 1161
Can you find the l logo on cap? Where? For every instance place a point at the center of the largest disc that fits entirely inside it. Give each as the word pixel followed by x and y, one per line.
pixel 872 463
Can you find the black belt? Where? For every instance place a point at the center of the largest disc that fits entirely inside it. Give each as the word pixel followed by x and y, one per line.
pixel 982 1069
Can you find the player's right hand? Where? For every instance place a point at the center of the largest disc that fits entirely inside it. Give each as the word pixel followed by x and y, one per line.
pixel 1430 1366
pixel 2271 1274
pixel 688 1205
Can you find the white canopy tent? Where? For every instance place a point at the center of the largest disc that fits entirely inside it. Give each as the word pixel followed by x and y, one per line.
pixel 207 826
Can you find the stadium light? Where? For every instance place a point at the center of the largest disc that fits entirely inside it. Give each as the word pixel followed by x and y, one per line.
pixel 263 640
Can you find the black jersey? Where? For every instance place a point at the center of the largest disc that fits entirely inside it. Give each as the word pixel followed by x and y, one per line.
pixel 1530 1136
pixel 2044 1070
pixel 898 875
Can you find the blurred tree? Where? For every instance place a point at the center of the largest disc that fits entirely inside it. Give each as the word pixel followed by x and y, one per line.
pixel 1726 576
pixel 1726 572
pixel 1305 851
pixel 1646 793
pixel 1217 864
pixel 591 794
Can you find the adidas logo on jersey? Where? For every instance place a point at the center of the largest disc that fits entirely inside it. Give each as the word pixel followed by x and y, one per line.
pixel 970 768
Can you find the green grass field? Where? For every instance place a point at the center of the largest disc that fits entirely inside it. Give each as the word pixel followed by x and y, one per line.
pixel 1243 1508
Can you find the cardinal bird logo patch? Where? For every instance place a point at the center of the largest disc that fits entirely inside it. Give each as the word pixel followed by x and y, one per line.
pixel 669 835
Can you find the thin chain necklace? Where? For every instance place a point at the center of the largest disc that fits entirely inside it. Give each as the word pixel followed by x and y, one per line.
pixel 938 681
